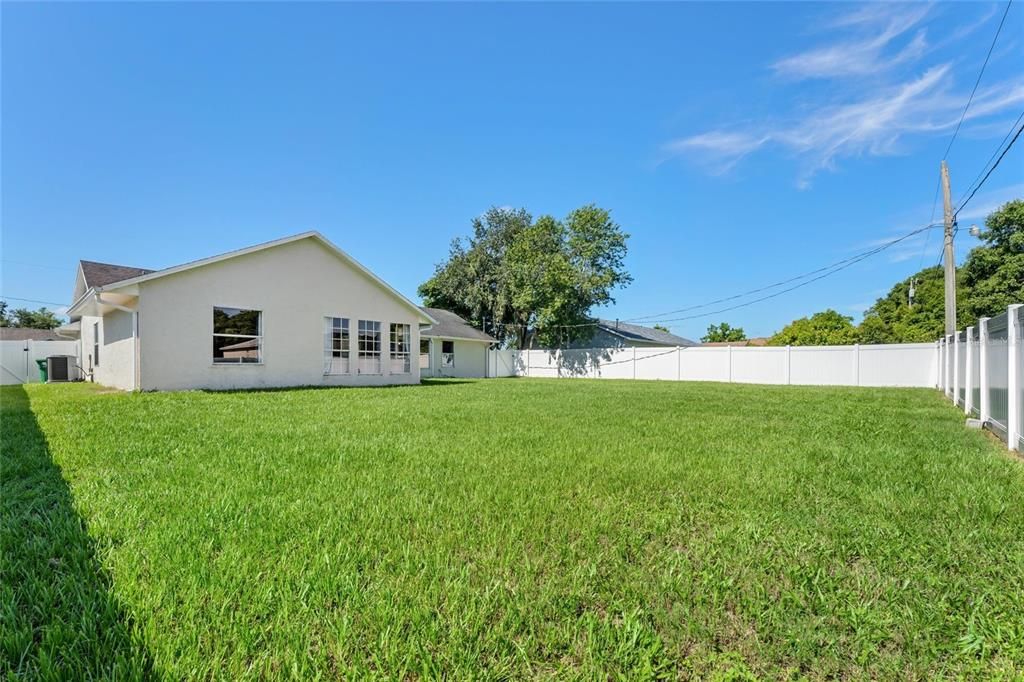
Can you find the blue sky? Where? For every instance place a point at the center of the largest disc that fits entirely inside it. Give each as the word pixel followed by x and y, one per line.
pixel 739 144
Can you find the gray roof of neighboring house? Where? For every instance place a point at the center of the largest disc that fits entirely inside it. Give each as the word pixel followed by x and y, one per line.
pixel 101 274
pixel 451 326
pixel 25 334
pixel 635 332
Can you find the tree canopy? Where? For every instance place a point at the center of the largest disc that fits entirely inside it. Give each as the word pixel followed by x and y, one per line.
pixel 827 328
pixel 23 317
pixel 991 278
pixel 718 333
pixel 527 281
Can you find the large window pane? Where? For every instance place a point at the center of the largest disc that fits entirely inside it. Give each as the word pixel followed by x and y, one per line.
pixel 336 345
pixel 235 349
pixel 236 321
pixel 237 336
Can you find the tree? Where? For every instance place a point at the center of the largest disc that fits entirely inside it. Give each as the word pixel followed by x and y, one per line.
pixel 990 279
pixel 527 281
pixel 718 333
pixel 23 317
pixel 827 328
pixel 993 273
pixel 661 328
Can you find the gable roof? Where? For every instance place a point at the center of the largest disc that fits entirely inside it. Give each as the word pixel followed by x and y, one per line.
pixel 451 326
pixel 101 274
pixel 27 334
pixel 148 275
pixel 636 332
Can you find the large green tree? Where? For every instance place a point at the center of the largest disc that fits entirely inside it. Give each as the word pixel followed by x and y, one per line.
pixel 827 328
pixel 723 332
pixel 23 317
pixel 991 278
pixel 529 282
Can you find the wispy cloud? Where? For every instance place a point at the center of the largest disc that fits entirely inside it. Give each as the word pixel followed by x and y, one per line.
pixel 879 26
pixel 877 115
pixel 873 125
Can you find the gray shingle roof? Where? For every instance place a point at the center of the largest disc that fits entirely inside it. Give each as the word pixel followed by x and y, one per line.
pixel 25 333
pixel 635 332
pixel 102 274
pixel 450 325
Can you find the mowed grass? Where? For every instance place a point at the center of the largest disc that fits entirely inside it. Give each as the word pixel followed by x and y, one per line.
pixel 508 529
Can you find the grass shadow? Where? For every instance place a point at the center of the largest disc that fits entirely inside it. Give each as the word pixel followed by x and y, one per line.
pixel 432 381
pixel 60 618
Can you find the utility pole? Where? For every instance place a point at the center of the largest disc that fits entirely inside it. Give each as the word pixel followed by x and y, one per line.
pixel 950 264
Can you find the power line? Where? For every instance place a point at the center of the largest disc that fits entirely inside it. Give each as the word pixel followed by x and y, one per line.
pixel 995 151
pixel 825 271
pixel 974 191
pixel 978 81
pixel 29 300
pixel 931 220
pixel 850 260
pixel 803 284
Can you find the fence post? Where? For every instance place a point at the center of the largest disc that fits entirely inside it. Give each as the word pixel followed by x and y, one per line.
pixel 940 352
pixel 1013 425
pixel 679 363
pixel 983 407
pixel 956 367
pixel 856 364
pixel 729 353
pixel 634 362
pixel 789 364
pixel 969 377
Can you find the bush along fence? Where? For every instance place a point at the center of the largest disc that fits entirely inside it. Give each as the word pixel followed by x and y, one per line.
pixel 982 371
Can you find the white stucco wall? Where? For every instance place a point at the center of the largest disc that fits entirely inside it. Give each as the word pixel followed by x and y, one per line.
pixel 295 285
pixel 470 360
pixel 117 351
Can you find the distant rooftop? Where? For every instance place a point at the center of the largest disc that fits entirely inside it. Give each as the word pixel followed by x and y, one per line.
pixel 636 332
pixel 449 325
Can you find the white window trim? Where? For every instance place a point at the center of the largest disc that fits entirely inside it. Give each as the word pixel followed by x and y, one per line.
pixel 407 355
pixel 329 345
pixel 259 358
pixel 379 354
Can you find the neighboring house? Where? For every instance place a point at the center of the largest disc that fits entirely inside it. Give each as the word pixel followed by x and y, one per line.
pixel 615 334
pixel 28 334
pixel 452 348
pixel 756 341
pixel 292 312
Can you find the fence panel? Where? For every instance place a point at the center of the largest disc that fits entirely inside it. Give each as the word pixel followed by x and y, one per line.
pixel 766 365
pixel 18 358
pixel 898 364
pixel 705 364
pixel 824 365
pixel 998 358
pixel 1019 349
pixel 961 367
pixel 975 372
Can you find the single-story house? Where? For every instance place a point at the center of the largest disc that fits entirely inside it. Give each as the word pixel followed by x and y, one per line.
pixel 451 347
pixel 615 334
pixel 297 311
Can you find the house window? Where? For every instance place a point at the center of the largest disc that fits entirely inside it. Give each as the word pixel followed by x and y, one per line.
pixel 401 356
pixel 336 345
pixel 424 353
pixel 237 336
pixel 447 353
pixel 95 344
pixel 369 347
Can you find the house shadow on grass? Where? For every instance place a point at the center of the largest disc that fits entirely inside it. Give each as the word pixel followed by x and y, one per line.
pixel 60 618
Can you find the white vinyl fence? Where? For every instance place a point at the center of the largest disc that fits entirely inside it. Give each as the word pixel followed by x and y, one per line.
pixel 18 358
pixel 982 371
pixel 911 364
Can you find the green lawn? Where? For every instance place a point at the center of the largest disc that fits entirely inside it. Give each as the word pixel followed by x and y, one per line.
pixel 508 529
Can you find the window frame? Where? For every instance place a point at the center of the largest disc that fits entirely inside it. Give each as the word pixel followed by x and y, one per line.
pixel 337 345
pixel 400 335
pixel 237 362
pixel 368 334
